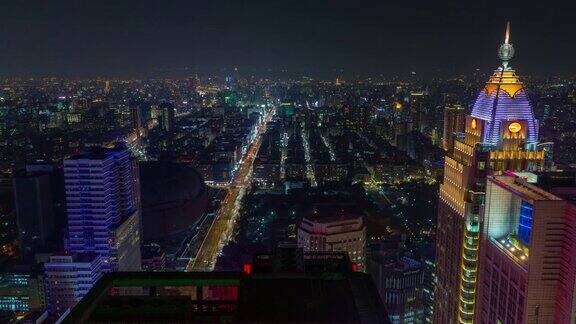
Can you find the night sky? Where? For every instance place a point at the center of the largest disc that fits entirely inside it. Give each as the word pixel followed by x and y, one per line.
pixel 126 38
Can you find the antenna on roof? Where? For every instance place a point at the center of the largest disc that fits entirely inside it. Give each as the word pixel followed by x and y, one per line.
pixel 507 39
pixel 506 51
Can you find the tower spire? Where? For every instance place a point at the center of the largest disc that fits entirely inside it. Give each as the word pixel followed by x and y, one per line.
pixel 507 39
pixel 506 51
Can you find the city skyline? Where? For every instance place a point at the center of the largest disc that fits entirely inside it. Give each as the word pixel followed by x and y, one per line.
pixel 135 187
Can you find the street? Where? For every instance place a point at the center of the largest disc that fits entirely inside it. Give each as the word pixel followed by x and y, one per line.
pixel 222 226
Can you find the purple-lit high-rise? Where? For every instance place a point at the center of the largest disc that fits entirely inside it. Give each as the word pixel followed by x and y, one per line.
pixel 500 134
pixel 103 207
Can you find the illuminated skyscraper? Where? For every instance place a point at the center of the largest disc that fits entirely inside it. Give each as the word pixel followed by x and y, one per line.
pixel 500 134
pixel 416 110
pixel 102 198
pixel 528 242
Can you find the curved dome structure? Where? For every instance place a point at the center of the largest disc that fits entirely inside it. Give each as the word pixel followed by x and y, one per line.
pixel 173 195
pixel 503 100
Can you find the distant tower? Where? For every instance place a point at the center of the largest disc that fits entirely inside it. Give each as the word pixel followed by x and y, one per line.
pixel 167 116
pixel 106 87
pixel 500 134
pixel 416 110
pixel 135 116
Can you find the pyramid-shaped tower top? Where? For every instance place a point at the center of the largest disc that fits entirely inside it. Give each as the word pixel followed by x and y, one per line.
pixel 504 100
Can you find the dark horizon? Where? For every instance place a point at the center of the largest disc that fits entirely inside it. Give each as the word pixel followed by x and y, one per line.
pixel 317 38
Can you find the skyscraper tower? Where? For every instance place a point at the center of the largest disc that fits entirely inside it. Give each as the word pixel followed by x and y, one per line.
pixel 136 116
pixel 500 134
pixel 106 87
pixel 416 110
pixel 167 116
pixel 102 202
pixel 34 211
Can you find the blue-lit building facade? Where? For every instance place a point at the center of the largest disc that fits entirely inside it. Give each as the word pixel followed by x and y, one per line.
pixel 102 198
pixel 68 278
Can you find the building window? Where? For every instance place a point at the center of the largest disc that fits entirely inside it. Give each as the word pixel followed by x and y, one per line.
pixel 525 223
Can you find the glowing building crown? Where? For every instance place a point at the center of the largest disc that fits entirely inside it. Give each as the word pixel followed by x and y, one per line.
pixel 503 101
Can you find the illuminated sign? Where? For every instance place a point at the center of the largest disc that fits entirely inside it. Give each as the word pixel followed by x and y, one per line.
pixel 514 127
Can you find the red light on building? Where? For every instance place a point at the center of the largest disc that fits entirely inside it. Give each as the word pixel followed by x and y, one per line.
pixel 247 268
pixel 354 267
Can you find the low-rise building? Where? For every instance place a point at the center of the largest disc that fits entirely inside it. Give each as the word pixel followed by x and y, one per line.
pixel 68 278
pixel 341 232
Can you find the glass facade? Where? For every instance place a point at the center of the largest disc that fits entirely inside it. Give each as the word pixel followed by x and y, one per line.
pixel 525 223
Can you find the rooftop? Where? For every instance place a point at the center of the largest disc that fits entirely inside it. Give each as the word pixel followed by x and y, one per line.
pixel 271 290
pixel 522 188
pixel 98 152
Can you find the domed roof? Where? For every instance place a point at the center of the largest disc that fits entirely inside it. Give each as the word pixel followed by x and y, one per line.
pixel 504 99
pixel 174 197
pixel 164 182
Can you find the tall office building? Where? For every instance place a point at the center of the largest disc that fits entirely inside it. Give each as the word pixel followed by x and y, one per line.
pixel 34 211
pixel 40 209
pixel 167 116
pixel 136 118
pixel 140 113
pixel 454 116
pixel 417 110
pixel 527 267
pixel 500 134
pixel 102 198
pixel 337 233
pixel 68 278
